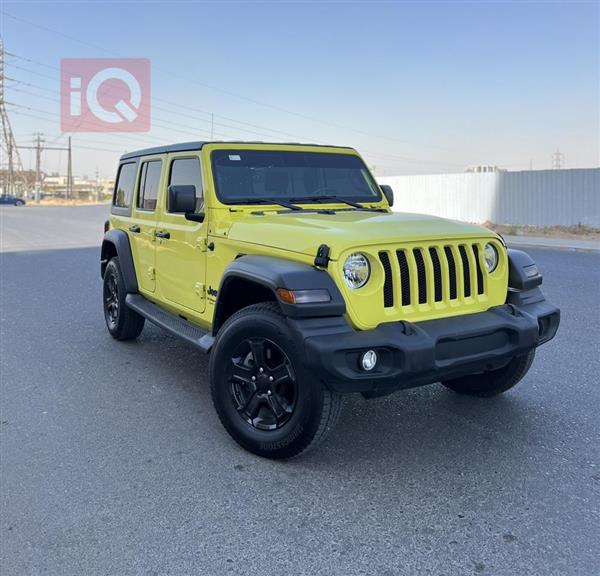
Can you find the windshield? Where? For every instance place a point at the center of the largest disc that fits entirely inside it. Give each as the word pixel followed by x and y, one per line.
pixel 244 176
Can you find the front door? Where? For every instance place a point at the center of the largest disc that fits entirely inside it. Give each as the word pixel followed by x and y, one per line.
pixel 181 244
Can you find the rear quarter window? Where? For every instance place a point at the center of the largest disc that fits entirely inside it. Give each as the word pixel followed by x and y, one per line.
pixel 149 185
pixel 124 186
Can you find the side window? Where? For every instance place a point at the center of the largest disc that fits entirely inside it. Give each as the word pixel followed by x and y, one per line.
pixel 187 171
pixel 124 186
pixel 149 185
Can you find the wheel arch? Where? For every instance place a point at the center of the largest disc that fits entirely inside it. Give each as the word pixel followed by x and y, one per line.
pixel 116 243
pixel 253 279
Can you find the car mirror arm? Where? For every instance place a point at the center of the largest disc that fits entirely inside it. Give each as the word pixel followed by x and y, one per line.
pixel 195 216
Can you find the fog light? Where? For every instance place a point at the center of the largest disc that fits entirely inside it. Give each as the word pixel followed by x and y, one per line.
pixel 368 360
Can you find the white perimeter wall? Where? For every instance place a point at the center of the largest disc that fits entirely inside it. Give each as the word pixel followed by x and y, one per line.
pixel 536 198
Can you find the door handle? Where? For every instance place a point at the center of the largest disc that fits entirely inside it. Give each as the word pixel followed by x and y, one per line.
pixel 163 234
pixel 135 229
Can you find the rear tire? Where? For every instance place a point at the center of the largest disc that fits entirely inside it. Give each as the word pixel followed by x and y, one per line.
pixel 263 394
pixel 496 382
pixel 122 322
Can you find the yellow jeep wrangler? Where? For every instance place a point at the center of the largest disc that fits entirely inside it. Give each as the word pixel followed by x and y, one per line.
pixel 286 264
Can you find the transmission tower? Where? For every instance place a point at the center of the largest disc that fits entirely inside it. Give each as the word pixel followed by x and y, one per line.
pixel 12 176
pixel 558 160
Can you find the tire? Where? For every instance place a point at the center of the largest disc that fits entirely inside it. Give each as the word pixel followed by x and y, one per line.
pixel 19 203
pixel 488 384
pixel 263 394
pixel 122 322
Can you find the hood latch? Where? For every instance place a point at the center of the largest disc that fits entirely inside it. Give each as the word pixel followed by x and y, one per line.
pixel 322 257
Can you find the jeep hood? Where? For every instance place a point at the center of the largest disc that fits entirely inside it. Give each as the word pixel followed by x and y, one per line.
pixel 304 232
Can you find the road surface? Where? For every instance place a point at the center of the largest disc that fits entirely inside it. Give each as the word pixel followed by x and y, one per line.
pixel 114 462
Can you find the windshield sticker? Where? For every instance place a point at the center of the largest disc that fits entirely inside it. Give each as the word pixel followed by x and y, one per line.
pixel 235 157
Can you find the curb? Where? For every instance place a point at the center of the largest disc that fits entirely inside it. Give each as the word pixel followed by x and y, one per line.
pixel 573 245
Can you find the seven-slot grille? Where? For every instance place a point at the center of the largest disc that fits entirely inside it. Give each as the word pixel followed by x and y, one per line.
pixel 425 275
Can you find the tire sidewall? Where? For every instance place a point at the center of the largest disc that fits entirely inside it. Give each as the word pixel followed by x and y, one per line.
pixel 488 384
pixel 304 422
pixel 113 269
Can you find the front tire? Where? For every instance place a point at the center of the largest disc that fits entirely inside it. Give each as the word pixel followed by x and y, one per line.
pixel 488 384
pixel 122 322
pixel 263 394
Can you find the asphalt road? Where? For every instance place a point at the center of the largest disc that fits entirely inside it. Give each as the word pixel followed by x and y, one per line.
pixel 113 462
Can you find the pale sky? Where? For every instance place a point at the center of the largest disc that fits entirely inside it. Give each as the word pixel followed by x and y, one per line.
pixel 416 87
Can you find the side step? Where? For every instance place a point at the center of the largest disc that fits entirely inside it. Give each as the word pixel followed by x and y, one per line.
pixel 171 323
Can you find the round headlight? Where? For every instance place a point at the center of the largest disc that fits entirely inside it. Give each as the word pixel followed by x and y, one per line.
pixel 491 257
pixel 356 270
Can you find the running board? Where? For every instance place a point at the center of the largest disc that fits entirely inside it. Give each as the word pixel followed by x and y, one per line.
pixel 171 323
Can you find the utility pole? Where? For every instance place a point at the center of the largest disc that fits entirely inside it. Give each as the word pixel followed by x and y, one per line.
pixel 558 160
pixel 212 126
pixel 97 185
pixel 39 147
pixel 69 172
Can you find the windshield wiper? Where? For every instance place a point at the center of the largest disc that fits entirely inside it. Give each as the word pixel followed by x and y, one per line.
pixel 321 199
pixel 283 203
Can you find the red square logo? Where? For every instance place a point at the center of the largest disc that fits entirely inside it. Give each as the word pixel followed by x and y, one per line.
pixel 105 95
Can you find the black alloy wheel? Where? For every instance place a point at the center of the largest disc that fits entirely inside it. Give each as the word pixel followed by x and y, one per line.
pixel 262 384
pixel 111 300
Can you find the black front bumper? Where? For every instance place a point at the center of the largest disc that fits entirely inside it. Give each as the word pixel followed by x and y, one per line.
pixel 416 354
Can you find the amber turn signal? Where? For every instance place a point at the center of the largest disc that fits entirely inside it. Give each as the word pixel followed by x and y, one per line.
pixel 303 296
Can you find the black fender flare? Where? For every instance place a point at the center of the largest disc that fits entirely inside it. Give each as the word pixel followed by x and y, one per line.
pixel 117 241
pixel 523 273
pixel 273 273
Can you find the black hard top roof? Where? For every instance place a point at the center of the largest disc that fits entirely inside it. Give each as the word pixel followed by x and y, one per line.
pixel 188 146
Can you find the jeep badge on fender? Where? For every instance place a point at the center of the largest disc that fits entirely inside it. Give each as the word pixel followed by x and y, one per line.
pixel 317 289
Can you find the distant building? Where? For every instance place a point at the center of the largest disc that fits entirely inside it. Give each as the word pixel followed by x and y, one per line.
pixel 485 168
pixel 83 187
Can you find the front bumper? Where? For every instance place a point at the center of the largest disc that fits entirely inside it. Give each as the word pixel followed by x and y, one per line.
pixel 415 354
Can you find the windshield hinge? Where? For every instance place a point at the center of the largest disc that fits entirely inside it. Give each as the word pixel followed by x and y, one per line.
pixel 322 257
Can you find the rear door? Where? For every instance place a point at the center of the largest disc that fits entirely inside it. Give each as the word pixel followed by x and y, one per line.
pixel 143 227
pixel 181 258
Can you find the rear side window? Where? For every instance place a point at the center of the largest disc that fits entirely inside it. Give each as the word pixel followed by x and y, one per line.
pixel 149 185
pixel 186 171
pixel 124 187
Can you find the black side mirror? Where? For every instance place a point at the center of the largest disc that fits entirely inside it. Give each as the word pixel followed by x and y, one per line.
pixel 182 200
pixel 388 193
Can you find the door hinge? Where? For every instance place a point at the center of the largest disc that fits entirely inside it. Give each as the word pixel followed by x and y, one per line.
pixel 150 272
pixel 200 289
pixel 201 243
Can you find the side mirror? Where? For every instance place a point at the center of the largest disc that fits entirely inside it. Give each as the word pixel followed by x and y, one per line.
pixel 388 193
pixel 182 200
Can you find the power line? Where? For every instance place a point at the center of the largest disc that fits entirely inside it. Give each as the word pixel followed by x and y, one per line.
pixel 225 91
pixel 169 125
